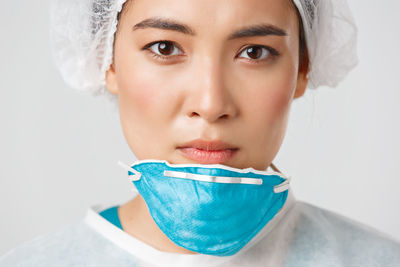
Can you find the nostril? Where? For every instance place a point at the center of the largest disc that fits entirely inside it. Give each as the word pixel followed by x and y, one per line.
pixel 195 114
pixel 225 116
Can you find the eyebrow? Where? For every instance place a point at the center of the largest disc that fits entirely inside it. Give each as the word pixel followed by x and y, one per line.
pixel 262 29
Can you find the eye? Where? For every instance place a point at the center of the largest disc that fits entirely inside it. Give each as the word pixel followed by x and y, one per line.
pixel 162 49
pixel 258 53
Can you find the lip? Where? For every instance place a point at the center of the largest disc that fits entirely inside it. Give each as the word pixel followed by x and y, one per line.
pixel 208 152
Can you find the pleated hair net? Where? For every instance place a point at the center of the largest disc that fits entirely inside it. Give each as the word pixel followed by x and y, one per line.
pixel 82 35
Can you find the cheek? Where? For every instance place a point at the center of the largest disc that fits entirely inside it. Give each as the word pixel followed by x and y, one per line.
pixel 145 109
pixel 142 97
pixel 272 97
pixel 268 109
pixel 139 98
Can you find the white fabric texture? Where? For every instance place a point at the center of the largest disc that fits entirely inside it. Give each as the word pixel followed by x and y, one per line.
pixel 304 235
pixel 82 36
pixel 331 35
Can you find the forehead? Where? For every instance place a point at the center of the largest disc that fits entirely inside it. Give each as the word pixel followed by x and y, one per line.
pixel 214 15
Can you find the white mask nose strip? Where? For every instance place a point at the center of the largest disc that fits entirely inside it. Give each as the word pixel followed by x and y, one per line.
pixel 213 179
pixel 228 180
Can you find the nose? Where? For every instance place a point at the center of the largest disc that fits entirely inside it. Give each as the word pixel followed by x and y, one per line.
pixel 210 97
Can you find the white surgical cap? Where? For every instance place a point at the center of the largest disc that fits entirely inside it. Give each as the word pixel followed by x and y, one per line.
pixel 82 36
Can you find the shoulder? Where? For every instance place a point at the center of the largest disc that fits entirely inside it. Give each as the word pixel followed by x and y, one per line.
pixel 73 245
pixel 324 234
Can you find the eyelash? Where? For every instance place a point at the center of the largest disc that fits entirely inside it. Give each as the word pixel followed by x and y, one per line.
pixel 273 52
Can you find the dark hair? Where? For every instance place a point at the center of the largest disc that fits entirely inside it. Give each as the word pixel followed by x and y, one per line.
pixel 124 9
pixel 304 59
pixel 303 51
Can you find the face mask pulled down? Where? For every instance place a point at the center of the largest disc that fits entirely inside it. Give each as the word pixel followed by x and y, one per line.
pixel 208 208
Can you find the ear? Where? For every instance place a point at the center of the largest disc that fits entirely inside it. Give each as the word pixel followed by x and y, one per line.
pixel 302 81
pixel 111 80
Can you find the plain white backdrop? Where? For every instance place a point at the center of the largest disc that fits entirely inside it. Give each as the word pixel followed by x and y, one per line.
pixel 59 149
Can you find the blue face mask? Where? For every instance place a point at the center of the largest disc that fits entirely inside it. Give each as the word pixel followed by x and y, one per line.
pixel 210 209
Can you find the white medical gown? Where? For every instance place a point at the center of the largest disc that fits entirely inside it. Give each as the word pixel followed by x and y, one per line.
pixel 299 235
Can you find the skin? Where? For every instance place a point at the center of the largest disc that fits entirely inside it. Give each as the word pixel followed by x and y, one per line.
pixel 208 88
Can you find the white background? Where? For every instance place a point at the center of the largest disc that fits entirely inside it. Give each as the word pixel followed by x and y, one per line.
pixel 59 149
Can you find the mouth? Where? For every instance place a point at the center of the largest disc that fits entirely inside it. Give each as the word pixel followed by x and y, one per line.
pixel 208 152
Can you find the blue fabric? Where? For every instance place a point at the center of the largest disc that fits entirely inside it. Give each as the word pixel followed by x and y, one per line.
pixel 208 217
pixel 111 215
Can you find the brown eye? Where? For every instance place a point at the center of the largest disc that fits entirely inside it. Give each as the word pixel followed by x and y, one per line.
pixel 164 48
pixel 256 52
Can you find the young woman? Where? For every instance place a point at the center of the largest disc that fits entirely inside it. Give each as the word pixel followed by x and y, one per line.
pixel 204 91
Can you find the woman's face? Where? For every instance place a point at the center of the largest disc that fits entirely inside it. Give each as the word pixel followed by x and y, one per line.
pixel 212 77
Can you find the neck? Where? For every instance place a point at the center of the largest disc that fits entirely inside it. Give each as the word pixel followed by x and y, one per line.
pixel 136 221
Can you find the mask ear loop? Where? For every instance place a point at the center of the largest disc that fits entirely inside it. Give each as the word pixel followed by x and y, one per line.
pixel 273 167
pixel 132 177
pixel 283 186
